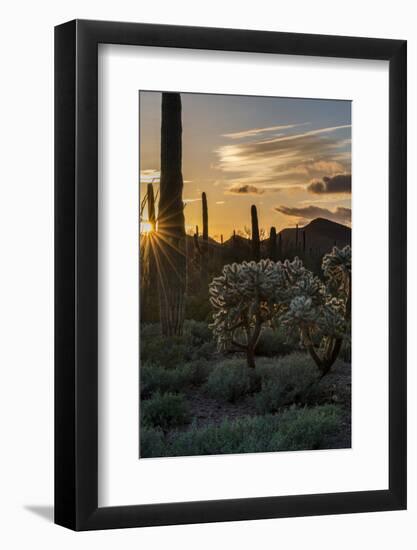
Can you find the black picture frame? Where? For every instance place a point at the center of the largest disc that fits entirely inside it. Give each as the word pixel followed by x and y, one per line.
pixel 76 271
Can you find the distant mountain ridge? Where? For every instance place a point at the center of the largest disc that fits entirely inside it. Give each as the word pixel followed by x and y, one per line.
pixel 320 233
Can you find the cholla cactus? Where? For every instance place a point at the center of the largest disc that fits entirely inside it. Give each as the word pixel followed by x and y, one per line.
pixel 337 268
pixel 245 297
pixel 322 312
pixel 248 295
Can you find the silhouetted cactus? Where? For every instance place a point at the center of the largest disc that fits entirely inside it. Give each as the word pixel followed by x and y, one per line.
pixel 272 244
pixel 304 241
pixel 205 218
pixel 151 207
pixel 171 225
pixel 280 246
pixel 296 237
pixel 202 245
pixel 256 244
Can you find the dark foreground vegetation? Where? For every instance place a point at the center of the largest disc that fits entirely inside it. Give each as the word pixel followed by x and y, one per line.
pixel 197 401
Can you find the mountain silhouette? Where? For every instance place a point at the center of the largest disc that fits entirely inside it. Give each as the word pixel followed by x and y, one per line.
pixel 321 235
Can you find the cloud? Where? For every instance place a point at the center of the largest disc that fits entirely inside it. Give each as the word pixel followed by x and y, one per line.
pixel 288 160
pixel 257 131
pixel 340 214
pixel 244 190
pixel 220 202
pixel 187 201
pixel 341 183
pixel 150 176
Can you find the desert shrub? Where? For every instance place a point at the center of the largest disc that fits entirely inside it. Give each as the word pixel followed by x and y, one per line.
pixel 284 381
pixel 195 343
pixel 198 340
pixel 307 428
pixel 198 371
pixel 295 429
pixel 197 333
pixel 155 378
pixel 273 342
pixel 151 442
pixel 230 380
pixel 166 352
pixel 197 307
pixel 165 410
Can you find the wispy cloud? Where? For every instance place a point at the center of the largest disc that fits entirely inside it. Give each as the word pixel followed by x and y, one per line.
pixel 339 214
pixel 256 131
pixel 150 176
pixel 220 202
pixel 286 161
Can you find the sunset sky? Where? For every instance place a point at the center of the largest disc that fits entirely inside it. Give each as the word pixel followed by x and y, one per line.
pixel 290 157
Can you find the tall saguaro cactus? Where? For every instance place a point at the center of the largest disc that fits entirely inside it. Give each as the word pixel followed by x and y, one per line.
pixel 205 217
pixel 171 225
pixel 256 244
pixel 204 248
pixel 272 245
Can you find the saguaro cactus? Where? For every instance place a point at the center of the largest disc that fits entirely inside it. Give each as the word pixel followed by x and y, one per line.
pixel 151 207
pixel 256 244
pixel 272 245
pixel 296 237
pixel 202 246
pixel 279 246
pixel 205 218
pixel 171 226
pixel 148 266
pixel 304 241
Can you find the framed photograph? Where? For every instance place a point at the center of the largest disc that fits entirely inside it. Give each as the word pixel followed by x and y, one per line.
pixel 230 255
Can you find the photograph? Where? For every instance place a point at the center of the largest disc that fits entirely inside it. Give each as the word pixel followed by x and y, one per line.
pixel 245 274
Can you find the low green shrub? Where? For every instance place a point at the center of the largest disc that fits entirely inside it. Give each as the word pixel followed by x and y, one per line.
pixel 230 380
pixel 307 428
pixel 284 381
pixel 195 343
pixel 198 307
pixel 155 378
pixel 164 410
pixel 152 443
pixel 166 352
pixel 273 342
pixel 294 430
pixel 198 340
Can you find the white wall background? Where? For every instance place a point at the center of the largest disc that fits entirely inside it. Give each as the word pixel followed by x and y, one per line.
pixel 26 272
